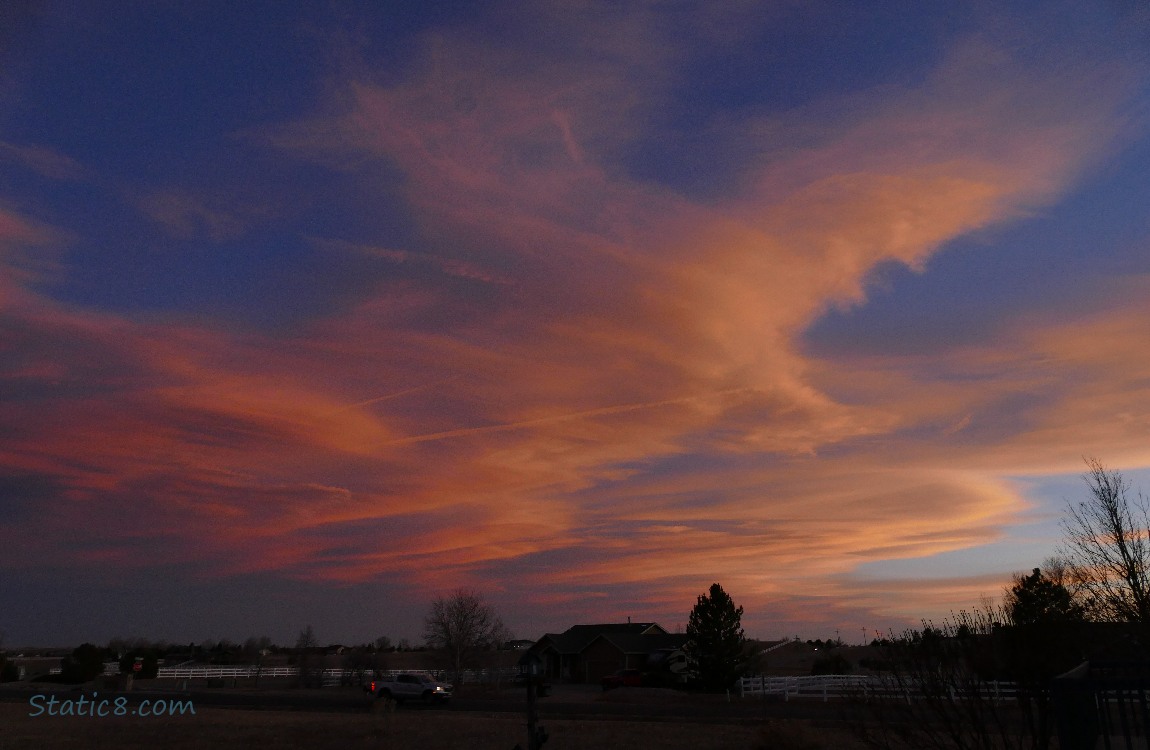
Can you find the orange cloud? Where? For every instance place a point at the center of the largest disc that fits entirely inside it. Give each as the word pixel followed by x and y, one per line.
pixel 612 394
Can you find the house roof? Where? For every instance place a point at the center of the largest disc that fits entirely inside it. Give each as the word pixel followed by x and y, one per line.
pixel 578 637
pixel 644 643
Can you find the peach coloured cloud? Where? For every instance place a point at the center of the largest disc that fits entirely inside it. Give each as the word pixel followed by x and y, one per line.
pixel 611 394
pixel 652 339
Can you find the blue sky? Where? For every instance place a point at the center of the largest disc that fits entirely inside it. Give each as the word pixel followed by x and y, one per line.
pixel 310 314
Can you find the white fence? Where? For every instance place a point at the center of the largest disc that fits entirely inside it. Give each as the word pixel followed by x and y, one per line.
pixel 814 686
pixel 336 676
pixel 183 673
pixel 853 686
pixel 330 676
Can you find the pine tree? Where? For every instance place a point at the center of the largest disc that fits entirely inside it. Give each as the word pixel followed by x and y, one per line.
pixel 1036 599
pixel 715 639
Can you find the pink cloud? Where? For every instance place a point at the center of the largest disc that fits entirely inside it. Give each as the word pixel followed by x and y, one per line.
pixel 185 215
pixel 27 255
pixel 44 161
pixel 629 388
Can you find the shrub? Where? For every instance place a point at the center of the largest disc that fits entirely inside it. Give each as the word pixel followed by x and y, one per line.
pixel 86 663
pixel 149 667
pixel 833 664
pixel 9 672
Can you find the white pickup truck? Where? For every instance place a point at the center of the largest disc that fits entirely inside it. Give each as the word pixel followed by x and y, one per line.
pixel 410 686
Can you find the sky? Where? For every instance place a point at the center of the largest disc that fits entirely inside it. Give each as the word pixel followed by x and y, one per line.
pixel 311 313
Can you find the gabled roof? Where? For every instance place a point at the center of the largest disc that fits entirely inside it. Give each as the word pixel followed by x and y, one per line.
pixel 643 643
pixel 578 637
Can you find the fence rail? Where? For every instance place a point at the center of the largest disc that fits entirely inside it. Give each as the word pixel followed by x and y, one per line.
pixel 228 672
pixel 815 686
pixel 850 686
pixel 332 676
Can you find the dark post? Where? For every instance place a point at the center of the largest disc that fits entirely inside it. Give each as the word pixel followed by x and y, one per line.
pixel 531 667
pixel 536 734
pixel 532 711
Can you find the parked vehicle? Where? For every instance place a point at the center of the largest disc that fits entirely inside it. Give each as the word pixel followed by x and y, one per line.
pixel 542 687
pixel 623 678
pixel 667 667
pixel 410 686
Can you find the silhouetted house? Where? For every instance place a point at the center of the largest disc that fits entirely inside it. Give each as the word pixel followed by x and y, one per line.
pixel 587 653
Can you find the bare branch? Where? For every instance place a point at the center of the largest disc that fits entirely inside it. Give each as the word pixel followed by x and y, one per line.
pixel 462 626
pixel 1107 552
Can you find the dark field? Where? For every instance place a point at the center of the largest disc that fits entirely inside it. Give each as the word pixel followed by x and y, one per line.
pixel 426 730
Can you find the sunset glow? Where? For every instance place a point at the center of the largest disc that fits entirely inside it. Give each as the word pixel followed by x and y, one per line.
pixel 311 316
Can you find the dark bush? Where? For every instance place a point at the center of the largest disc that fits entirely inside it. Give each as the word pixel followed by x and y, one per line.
pixel 9 672
pixel 86 663
pixel 149 664
pixel 876 665
pixel 832 664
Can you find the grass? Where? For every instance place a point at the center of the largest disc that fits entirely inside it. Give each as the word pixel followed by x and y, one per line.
pixel 426 730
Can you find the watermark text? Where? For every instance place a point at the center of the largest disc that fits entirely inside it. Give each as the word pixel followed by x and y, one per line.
pixel 97 707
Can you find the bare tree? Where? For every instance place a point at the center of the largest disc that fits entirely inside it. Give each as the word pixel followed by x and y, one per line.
pixel 1108 548
pixel 463 626
pixel 363 664
pixel 939 686
pixel 310 664
pixel 307 638
pixel 1058 570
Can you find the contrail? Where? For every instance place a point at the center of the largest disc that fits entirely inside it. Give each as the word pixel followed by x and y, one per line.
pixel 397 394
pixel 602 411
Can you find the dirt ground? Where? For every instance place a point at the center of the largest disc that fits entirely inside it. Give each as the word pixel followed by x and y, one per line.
pixel 426 730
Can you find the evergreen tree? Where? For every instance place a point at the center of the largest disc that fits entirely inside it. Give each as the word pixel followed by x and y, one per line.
pixel 1036 599
pixel 715 639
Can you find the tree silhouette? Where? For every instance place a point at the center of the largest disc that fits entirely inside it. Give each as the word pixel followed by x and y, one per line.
pixel 462 626
pixel 1108 548
pixel 309 663
pixel 86 663
pixel 715 639
pixel 1036 599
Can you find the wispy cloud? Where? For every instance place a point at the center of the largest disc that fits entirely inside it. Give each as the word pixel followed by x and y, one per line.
pixel 185 215
pixel 43 161
pixel 572 378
